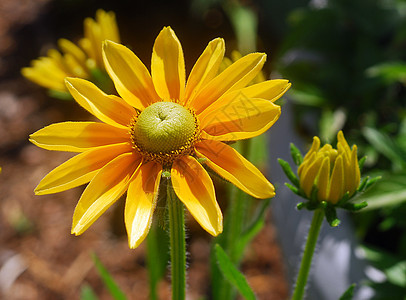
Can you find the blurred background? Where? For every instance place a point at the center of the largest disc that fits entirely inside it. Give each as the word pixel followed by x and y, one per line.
pixel 346 61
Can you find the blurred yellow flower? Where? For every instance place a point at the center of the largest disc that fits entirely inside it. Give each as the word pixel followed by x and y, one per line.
pixel 162 123
pixel 74 61
pixel 334 172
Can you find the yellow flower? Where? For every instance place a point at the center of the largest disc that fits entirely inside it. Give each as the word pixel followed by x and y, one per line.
pixel 51 71
pixel 333 172
pixel 160 123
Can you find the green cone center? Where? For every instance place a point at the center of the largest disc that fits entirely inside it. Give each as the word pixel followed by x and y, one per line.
pixel 164 127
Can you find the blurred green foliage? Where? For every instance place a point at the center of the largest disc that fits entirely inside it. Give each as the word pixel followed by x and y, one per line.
pixel 347 62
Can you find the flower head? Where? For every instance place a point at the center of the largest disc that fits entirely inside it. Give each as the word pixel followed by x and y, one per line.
pixel 74 61
pixel 334 172
pixel 162 123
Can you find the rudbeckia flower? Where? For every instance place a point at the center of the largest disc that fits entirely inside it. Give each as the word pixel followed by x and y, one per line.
pixel 50 71
pixel 161 123
pixel 334 172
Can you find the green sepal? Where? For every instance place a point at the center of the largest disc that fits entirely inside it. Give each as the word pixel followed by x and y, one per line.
pixel 362 185
pixel 301 205
pixel 60 95
pixel 361 162
pixel 288 171
pixel 349 293
pixel 355 206
pixel 372 181
pixel 296 155
pixel 331 215
pixel 293 189
pixel 344 199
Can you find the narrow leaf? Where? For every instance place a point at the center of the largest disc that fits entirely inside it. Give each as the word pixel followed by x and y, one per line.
pixel 348 294
pixel 252 230
pixel 87 293
pixel 232 274
pixel 108 280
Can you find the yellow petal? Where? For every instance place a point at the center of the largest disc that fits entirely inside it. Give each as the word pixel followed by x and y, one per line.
pixel 107 108
pixel 241 118
pixel 92 32
pixel 104 189
pixel 205 69
pixel 309 175
pixel 140 204
pixel 168 66
pixel 314 148
pixel 195 189
pixel 130 76
pixel 235 77
pixel 323 179
pixel 80 169
pixel 69 47
pixel 337 181
pixel 271 89
pixel 354 167
pixel 232 166
pixel 78 136
pixel 108 26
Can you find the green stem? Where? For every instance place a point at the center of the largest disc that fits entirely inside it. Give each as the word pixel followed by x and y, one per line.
pixel 308 254
pixel 177 243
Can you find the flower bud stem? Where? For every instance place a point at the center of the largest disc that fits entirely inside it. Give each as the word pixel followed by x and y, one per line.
pixel 177 244
pixel 308 254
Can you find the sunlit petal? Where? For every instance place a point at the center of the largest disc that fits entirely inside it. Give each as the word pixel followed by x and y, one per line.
pixel 270 90
pixel 232 166
pixel 205 69
pixel 107 108
pixel 80 169
pixel 104 189
pixel 140 204
pixel 168 66
pixel 235 77
pixel 131 78
pixel 195 189
pixel 78 136
pixel 241 118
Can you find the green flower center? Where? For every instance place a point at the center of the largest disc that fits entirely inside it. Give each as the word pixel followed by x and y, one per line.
pixel 163 131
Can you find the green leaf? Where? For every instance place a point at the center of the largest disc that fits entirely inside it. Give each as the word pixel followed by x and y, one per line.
pixel 389 191
pixel 232 274
pixel 330 123
pixel 296 154
pixel 288 172
pixel 87 293
pixel 252 230
pixel 307 96
pixel 393 71
pixel 348 294
pixel 393 267
pixel 386 146
pixel 108 280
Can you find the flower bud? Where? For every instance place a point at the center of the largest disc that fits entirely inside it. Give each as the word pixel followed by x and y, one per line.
pixel 333 172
